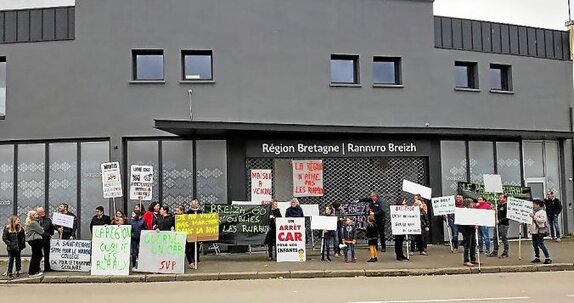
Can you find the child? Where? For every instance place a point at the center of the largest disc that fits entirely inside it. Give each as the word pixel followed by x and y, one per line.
pixel 327 236
pixel 14 238
pixel 372 237
pixel 138 225
pixel 349 239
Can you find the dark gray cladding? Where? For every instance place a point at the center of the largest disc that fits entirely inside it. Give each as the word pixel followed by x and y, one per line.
pixel 37 25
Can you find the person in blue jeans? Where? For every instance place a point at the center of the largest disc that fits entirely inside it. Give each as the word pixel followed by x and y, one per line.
pixel 338 234
pixel 484 231
pixel 553 210
pixel 539 229
pixel 349 240
pixel 454 228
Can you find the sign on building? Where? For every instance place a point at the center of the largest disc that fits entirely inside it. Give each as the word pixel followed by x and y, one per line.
pixel 308 178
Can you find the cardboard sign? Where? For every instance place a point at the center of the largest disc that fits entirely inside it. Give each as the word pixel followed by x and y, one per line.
pixel 323 223
pixel 308 178
pixel 414 188
pixel 111 250
pixel 405 220
pixel 290 236
pixel 310 210
pixel 199 227
pixel 261 186
pixel 242 224
pixel 63 220
pixel 442 206
pixel 519 210
pixel 492 183
pixel 476 217
pixel 141 182
pixel 111 180
pixel 358 210
pixel 162 252
pixel 70 255
pixel 283 207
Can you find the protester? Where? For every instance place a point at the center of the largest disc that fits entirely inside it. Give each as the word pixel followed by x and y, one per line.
pixel 376 208
pixel 372 237
pixel 399 239
pixel 469 239
pixel 165 222
pixel 418 242
pixel 67 233
pixel 484 231
pixel 270 239
pixel 503 225
pixel 195 209
pixel 340 214
pixel 118 221
pixel 34 233
pixel 349 240
pixel 49 230
pixel 454 228
pixel 295 210
pixel 121 214
pixel 15 240
pixel 553 210
pixel 180 210
pixel 326 236
pixel 138 225
pixel 99 218
pixel 151 215
pixel 539 229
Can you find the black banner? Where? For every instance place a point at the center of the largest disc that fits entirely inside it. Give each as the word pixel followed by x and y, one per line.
pixel 242 224
pixel 473 191
pixel 358 210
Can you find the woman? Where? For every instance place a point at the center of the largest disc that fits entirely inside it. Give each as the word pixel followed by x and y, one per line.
pixel 469 239
pixel 539 229
pixel 34 233
pixel 180 210
pixel 419 240
pixel 270 240
pixel 151 215
pixel 399 239
pixel 14 238
pixel 120 214
pixel 295 211
pixel 195 209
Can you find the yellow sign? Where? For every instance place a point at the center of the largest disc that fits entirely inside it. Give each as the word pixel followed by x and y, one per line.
pixel 199 227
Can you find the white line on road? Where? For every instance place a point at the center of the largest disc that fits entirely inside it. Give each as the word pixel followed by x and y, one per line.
pixel 570 296
pixel 451 300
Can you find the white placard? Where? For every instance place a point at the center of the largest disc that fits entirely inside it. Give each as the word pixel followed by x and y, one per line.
pixel 519 210
pixel 63 220
pixel 111 250
pixel 442 206
pixel 283 207
pixel 405 220
pixel 492 183
pixel 111 180
pixel 310 210
pixel 414 188
pixel 308 178
pixel 261 186
pixel 245 203
pixel 70 255
pixel 324 223
pixel 141 182
pixel 162 252
pixel 472 216
pixel 290 244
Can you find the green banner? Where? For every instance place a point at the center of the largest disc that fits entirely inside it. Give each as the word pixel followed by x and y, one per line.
pixel 474 190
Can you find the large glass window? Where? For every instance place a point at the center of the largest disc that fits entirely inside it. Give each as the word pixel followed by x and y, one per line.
pixel 147 65
pixel 481 160
pixel 197 64
pixel 177 167
pixel 93 154
pixel 31 177
pixel 344 69
pixel 453 160
pixel 211 159
pixel 6 180
pixel 63 184
pixel 143 153
pixel 2 87
pixel 533 159
pixel 508 162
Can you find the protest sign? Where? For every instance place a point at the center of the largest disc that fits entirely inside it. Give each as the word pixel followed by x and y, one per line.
pixel 443 205
pixel 323 223
pixel 492 183
pixel 308 178
pixel 358 210
pixel 519 210
pixel 111 250
pixel 473 191
pixel 261 186
pixel 310 210
pixel 70 255
pixel 141 182
pixel 283 207
pixel 198 227
pixel 414 188
pixel 405 220
pixel 111 180
pixel 241 224
pixel 162 252
pixel 63 220
pixel 476 217
pixel 290 236
pixel 244 203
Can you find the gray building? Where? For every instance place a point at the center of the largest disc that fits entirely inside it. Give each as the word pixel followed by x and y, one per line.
pixel 205 91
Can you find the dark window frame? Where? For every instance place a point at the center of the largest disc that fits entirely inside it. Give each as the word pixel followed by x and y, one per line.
pixel 471 74
pixel 3 115
pixel 397 65
pixel 196 52
pixel 505 77
pixel 142 52
pixel 356 72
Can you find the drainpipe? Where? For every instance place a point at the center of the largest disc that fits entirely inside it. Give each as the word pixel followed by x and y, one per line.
pixel 568 204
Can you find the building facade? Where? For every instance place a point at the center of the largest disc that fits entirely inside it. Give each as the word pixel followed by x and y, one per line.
pixel 205 91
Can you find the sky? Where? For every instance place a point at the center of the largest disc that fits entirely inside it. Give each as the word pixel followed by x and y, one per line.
pixel 539 13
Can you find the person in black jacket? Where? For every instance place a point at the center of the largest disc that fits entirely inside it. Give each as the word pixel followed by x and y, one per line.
pixel 100 218
pixel 49 230
pixel 15 240
pixel 376 208
pixel 503 225
pixel 400 239
pixel 138 225
pixel 295 211
pixel 67 233
pixel 553 209
pixel 469 239
pixel 372 237
pixel 419 240
pixel 270 239
pixel 165 222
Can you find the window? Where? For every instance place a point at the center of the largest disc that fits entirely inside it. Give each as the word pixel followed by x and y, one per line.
pixel 344 69
pixel 387 70
pixel 2 87
pixel 500 77
pixel 147 65
pixel 197 65
pixel 466 75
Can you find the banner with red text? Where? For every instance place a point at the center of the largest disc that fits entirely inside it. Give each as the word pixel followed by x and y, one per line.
pixel 261 186
pixel 307 178
pixel 290 243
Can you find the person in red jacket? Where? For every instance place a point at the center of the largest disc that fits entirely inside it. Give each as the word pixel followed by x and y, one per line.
pixel 151 215
pixel 484 231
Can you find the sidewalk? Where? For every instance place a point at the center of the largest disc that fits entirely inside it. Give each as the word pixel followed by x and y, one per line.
pixel 440 261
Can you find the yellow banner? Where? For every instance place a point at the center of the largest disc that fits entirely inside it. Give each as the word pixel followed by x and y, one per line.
pixel 200 227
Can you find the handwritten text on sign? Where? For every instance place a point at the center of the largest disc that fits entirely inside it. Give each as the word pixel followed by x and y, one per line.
pixel 200 227
pixel 519 210
pixel 405 220
pixel 261 186
pixel 111 180
pixel 307 178
pixel 141 182
pixel 63 220
pixel 443 205
pixel 162 252
pixel 111 250
pixel 70 255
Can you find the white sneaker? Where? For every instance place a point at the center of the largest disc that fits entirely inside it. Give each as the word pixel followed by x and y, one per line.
pixel 4 274
pixel 38 275
pixel 558 240
pixel 191 266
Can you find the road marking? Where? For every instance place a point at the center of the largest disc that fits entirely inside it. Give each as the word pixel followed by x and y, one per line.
pixel 570 296
pixel 451 300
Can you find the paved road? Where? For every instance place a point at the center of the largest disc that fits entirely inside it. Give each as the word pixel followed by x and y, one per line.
pixel 520 287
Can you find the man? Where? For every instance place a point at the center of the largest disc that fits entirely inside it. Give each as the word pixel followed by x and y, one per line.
pixel 375 208
pixel 553 209
pixel 67 233
pixel 100 219
pixel 502 222
pixel 454 228
pixel 484 231
pixel 49 229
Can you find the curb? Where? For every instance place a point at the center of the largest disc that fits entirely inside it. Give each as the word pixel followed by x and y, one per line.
pixel 294 274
